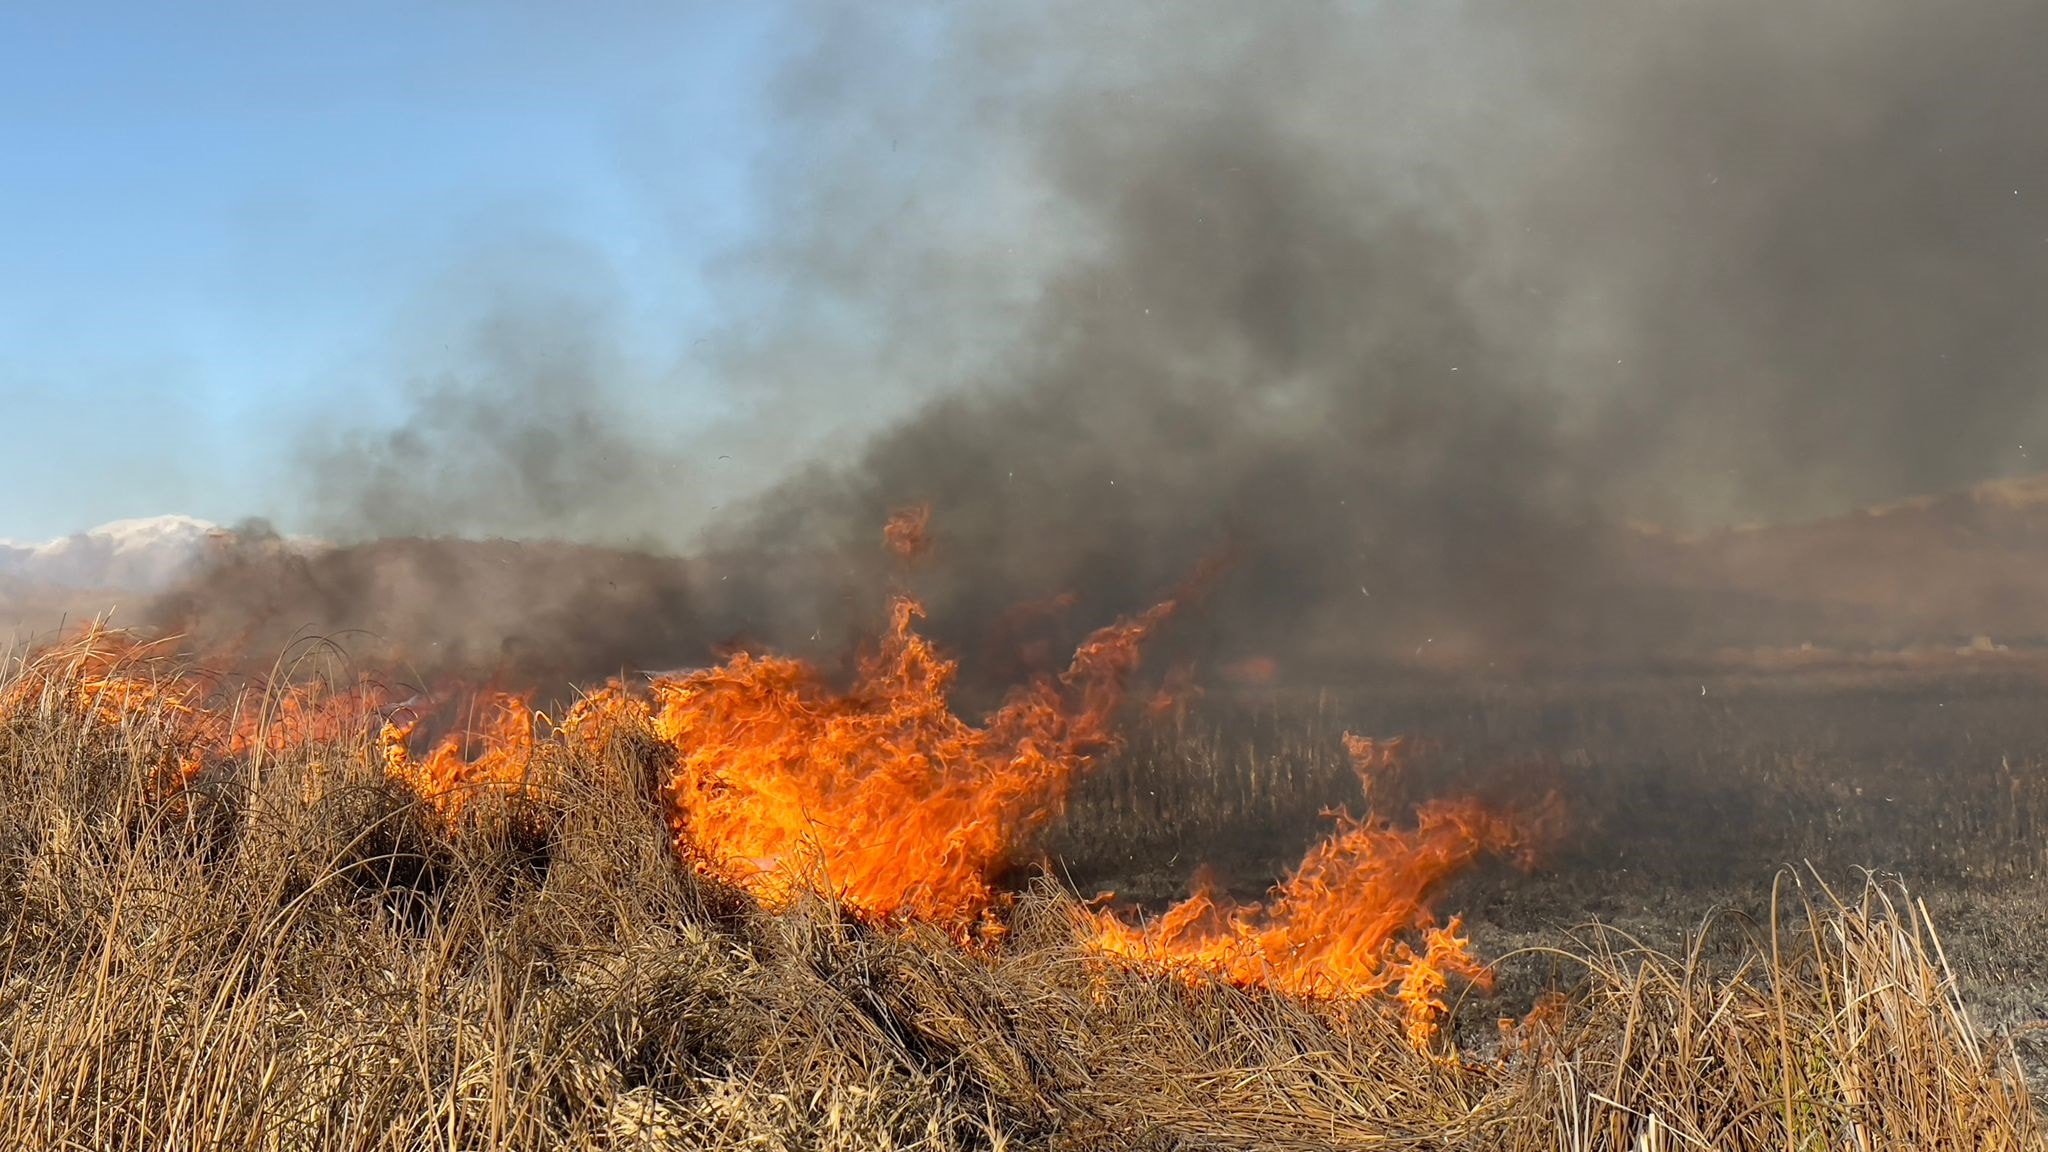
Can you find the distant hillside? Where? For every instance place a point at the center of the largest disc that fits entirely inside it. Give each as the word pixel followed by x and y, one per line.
pixel 1960 575
pixel 142 554
pixel 1931 570
pixel 117 565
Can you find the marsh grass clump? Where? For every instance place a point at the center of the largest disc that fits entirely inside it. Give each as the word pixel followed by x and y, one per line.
pixel 1839 1026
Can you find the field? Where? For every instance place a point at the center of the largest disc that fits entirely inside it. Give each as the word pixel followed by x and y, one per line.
pixel 295 949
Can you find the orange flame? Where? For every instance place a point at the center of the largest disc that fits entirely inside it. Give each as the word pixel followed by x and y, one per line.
pixel 450 775
pixel 879 794
pixel 107 678
pixel 1345 922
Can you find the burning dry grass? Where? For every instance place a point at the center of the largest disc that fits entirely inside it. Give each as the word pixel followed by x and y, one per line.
pixel 295 952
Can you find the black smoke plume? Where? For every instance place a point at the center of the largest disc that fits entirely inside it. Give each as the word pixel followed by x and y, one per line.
pixel 1405 309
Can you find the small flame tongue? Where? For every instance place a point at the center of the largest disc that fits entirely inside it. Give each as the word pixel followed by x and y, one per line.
pixel 908 532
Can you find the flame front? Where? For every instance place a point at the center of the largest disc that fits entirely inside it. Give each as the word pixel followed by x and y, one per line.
pixel 1347 921
pixel 109 680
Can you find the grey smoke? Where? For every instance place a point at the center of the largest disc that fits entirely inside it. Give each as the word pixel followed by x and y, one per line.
pixel 520 428
pixel 429 611
pixel 1423 299
pixel 1813 233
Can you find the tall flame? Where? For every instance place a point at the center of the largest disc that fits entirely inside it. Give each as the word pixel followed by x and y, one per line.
pixel 879 794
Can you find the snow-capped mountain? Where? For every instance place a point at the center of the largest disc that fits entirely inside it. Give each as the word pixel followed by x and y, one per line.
pixel 137 555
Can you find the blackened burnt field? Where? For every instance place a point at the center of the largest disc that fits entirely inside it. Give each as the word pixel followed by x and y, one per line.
pixel 1684 796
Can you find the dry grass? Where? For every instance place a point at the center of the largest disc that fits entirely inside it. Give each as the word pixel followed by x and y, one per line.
pixel 1840 1029
pixel 294 956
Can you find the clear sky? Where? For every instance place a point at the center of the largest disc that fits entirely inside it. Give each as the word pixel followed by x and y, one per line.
pixel 214 216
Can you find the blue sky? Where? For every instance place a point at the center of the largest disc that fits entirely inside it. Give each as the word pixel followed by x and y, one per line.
pixel 214 217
